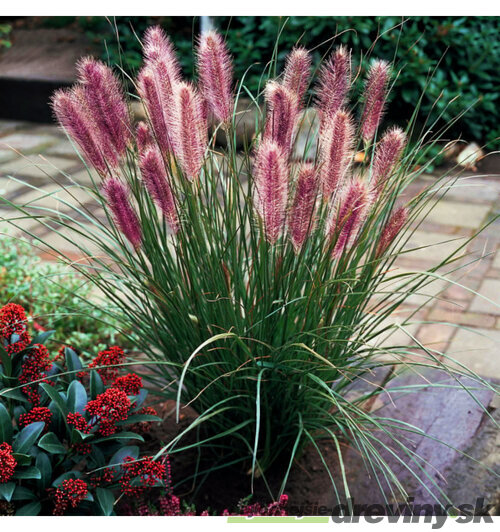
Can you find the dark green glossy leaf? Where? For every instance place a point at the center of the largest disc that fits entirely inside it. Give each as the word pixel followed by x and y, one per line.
pixel 58 400
pixel 120 436
pixel 6 361
pixel 42 337
pixel 5 425
pixel 96 384
pixel 7 490
pixel 27 437
pixel 106 500
pixel 119 456
pixel 73 362
pixel 77 397
pixel 50 443
pixel 32 508
pixel 22 459
pixel 30 472
pixel 45 467
pixel 22 493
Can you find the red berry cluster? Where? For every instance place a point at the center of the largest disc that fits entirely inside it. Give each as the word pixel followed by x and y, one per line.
pixel 71 492
pixel 36 362
pixel 75 419
pixel 144 427
pixel 7 462
pixel 82 448
pixel 275 508
pixel 109 357
pixel 38 413
pixel 13 321
pixel 103 477
pixel 145 473
pixel 131 383
pixel 109 407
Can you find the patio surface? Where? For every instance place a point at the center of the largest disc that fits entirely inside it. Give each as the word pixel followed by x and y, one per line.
pixel 459 215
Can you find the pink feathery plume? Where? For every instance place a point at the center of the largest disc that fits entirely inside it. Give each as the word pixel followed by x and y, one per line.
pixel 334 83
pixel 123 213
pixel 190 130
pixel 215 68
pixel 271 184
pixel 105 100
pixel 297 72
pixel 387 155
pixel 336 152
pixel 149 90
pixel 143 137
pixel 349 215
pixel 161 58
pixel 73 117
pixel 282 115
pixel 158 185
pixel 301 219
pixel 375 96
pixel 392 228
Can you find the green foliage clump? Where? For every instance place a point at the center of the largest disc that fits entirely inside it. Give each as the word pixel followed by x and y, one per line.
pixel 53 295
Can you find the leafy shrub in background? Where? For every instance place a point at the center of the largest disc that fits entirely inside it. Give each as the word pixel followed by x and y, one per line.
pixel 66 433
pixel 54 296
pixel 463 51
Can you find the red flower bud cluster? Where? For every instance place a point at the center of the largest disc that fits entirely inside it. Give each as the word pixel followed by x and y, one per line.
pixel 144 426
pixel 275 508
pixel 82 448
pixel 131 384
pixel 13 322
pixel 71 492
pixel 7 462
pixel 109 407
pixel 36 362
pixel 38 413
pixel 76 420
pixel 146 473
pixel 109 357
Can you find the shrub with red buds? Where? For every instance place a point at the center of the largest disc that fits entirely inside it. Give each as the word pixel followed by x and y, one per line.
pixel 131 383
pixel 70 493
pixel 107 362
pixel 7 462
pixel 38 413
pixel 13 331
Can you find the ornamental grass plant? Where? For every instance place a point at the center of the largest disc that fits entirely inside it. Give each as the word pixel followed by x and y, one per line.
pixel 257 284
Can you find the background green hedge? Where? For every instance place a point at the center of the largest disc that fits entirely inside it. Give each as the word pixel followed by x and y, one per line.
pixel 465 51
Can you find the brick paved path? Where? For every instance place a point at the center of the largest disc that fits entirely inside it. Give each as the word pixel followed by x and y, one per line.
pixel 466 208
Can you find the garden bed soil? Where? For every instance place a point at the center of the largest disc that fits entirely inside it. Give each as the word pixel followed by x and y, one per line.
pixel 443 412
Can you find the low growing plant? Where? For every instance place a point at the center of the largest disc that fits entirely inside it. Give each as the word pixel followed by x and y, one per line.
pixel 47 291
pixel 69 434
pixel 259 285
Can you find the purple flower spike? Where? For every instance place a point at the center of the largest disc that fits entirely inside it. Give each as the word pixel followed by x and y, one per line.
pixel 351 211
pixel 73 117
pixel 387 155
pixel 301 219
pixel 334 84
pixel 271 183
pixel 149 90
pixel 158 185
pixel 375 96
pixel 106 102
pixel 123 213
pixel 190 130
pixel 394 225
pixel 282 115
pixel 297 72
pixel 215 68
pixel 143 137
pixel 336 152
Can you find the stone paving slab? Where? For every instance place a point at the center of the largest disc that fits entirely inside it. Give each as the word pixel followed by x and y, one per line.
pixel 434 247
pixel 478 349
pixel 457 214
pixel 490 288
pixel 36 167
